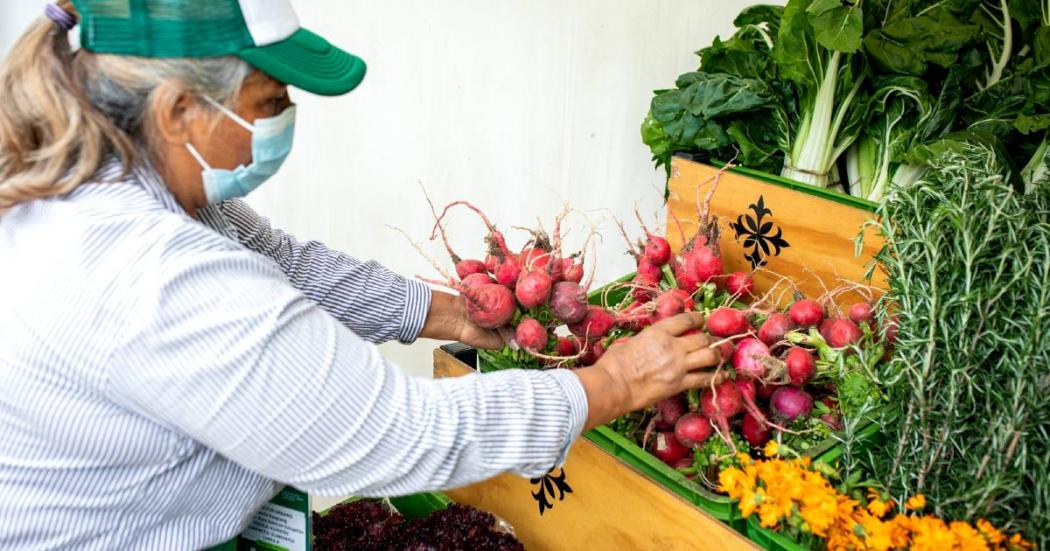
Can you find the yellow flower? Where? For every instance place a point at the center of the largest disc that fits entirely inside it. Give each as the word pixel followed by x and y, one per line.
pixel 749 501
pixel 990 533
pixel 916 502
pixel 1017 542
pixel 878 535
pixel 771 449
pixel 879 508
pixel 967 538
pixel 931 534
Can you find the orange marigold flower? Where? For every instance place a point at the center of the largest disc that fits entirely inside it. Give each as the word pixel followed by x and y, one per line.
pixel 916 502
pixel 771 449
pixel 1017 542
pixel 879 508
pixel 990 533
pixel 967 538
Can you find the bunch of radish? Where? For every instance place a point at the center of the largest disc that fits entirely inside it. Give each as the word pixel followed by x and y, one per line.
pixel 782 364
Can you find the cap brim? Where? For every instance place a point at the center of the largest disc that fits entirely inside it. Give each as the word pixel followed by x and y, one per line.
pixel 309 62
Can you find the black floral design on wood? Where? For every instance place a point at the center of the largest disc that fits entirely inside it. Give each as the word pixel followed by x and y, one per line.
pixel 549 485
pixel 759 234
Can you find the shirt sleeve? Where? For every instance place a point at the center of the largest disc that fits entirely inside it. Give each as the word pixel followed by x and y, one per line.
pixel 374 302
pixel 222 349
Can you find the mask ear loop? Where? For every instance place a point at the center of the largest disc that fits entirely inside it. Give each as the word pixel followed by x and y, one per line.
pixel 197 155
pixel 226 111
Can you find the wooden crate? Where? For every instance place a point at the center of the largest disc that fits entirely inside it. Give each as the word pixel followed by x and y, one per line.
pixel 610 506
pixel 779 228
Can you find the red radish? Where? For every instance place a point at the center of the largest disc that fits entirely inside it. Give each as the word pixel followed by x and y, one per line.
pixel 801 366
pixel 668 449
pixel 684 463
pixel 740 284
pixel 751 358
pixel 748 392
pixel 649 269
pixel 531 335
pixel 756 432
pixel 686 281
pixel 764 390
pixel 722 404
pixel 790 403
pixel 507 272
pixel 467 267
pixel 669 410
pixel 535 258
pixel 692 429
pixel 700 265
pixel 727 322
pixel 533 288
pixel 843 333
pixel 644 287
pixel 491 262
pixel 566 346
pixel 726 351
pixel 806 313
pixel 571 271
pixel 476 280
pixel 825 326
pixel 489 306
pixel 668 305
pixel 568 302
pixel 593 353
pixel 774 328
pixel 890 329
pixel 595 324
pixel 657 250
pixel 861 312
pixel 832 419
pixel 687 299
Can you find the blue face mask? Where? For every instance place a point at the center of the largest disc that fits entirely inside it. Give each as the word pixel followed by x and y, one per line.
pixel 271 143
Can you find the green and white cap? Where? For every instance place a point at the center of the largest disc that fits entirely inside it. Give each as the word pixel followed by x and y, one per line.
pixel 265 33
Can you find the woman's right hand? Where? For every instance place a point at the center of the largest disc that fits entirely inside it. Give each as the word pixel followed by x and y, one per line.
pixel 659 362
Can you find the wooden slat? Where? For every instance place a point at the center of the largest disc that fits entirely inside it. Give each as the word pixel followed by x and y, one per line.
pixel 820 232
pixel 611 505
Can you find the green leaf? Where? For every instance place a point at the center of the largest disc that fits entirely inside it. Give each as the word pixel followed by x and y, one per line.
pixel 710 95
pixel 760 14
pixel 910 45
pixel 797 54
pixel 1026 124
pixel 837 26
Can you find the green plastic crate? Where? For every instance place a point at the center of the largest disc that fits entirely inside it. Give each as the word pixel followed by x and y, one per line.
pixel 768 539
pixel 413 506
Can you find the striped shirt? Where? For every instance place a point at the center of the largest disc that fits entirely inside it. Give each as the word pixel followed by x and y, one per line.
pixel 161 377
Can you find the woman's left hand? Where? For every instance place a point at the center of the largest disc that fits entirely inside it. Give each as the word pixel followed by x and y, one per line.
pixel 447 320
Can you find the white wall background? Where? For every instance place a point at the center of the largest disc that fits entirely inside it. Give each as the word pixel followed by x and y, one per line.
pixel 515 105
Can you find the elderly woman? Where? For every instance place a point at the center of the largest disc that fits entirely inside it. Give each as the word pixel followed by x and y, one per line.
pixel 168 359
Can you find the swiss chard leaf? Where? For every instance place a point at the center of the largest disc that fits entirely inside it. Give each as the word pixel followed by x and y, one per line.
pixel 837 24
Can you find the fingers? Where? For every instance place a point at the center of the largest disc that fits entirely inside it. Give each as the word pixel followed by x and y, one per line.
pixel 702 358
pixel 695 341
pixel 676 325
pixel 701 379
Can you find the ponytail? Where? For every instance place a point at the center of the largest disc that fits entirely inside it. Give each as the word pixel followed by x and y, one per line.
pixel 51 138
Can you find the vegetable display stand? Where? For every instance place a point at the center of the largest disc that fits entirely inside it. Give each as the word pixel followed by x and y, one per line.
pixel 778 227
pixel 594 502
